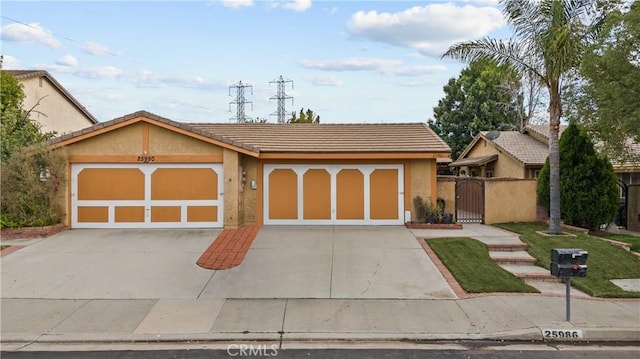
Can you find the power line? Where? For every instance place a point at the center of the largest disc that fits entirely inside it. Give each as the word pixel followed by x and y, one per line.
pixel 39 29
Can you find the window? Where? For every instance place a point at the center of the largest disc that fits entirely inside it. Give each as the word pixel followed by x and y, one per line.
pixel 489 174
pixel 536 173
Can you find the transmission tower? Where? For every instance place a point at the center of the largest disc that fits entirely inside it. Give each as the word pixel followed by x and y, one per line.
pixel 281 96
pixel 240 101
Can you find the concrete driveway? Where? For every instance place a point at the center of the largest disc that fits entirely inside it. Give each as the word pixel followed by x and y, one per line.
pixel 283 262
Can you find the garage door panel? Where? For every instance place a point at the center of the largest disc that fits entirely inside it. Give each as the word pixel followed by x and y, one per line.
pixel 93 214
pixel 110 184
pixel 129 214
pixel 283 188
pixel 166 214
pixel 350 194
pixel 317 194
pixel 184 184
pixel 384 194
pixel 202 213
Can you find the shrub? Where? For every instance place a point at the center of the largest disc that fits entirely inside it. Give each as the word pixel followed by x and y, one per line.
pixel 588 190
pixel 31 185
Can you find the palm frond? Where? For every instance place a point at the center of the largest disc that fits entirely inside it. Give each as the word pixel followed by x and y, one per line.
pixel 510 53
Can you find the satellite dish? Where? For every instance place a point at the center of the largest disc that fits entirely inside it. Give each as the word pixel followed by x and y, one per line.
pixel 492 135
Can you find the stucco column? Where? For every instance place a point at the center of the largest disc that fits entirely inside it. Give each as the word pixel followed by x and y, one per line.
pixel 231 188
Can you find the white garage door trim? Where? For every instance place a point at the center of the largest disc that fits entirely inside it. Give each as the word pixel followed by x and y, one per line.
pixel 147 169
pixel 333 170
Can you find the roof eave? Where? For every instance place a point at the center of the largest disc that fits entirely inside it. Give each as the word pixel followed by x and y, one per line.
pixel 351 155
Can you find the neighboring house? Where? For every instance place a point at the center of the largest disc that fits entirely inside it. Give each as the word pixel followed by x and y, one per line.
pixel 512 154
pixel 145 171
pixel 54 108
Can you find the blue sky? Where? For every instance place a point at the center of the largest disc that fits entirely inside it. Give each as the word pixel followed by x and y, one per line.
pixel 350 61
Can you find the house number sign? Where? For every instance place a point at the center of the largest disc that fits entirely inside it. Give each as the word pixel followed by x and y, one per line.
pixel 146 158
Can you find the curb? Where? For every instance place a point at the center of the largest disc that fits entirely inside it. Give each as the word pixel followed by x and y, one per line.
pixel 520 335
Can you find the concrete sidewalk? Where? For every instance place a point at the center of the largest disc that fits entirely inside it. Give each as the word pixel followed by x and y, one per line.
pixel 514 317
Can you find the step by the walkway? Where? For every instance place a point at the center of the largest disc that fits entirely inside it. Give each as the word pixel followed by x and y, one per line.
pixel 512 257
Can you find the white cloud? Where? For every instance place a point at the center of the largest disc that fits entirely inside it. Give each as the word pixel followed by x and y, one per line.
pixel 483 2
pixel 29 33
pixel 94 48
pixel 324 80
pixel 383 66
pixel 236 4
pixel 10 63
pixel 417 70
pixel 297 5
pixel 150 79
pixel 350 64
pixel 68 61
pixel 430 29
pixel 100 72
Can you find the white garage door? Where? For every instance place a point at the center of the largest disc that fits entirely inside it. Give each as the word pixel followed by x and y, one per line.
pixel 334 194
pixel 146 196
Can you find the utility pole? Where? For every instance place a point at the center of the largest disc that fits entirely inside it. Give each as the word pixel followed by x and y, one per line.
pixel 281 96
pixel 240 101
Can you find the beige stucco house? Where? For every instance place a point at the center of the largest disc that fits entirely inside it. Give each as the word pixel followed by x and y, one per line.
pixel 514 154
pixel 146 171
pixel 54 108
pixel 505 154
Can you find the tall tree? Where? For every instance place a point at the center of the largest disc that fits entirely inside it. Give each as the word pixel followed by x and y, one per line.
pixel 305 117
pixel 588 189
pixel 549 40
pixel 607 97
pixel 478 100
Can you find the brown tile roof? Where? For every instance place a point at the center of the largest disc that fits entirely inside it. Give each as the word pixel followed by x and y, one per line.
pixel 522 147
pixel 298 138
pixel 29 74
pixel 331 138
pixel 474 161
pixel 541 132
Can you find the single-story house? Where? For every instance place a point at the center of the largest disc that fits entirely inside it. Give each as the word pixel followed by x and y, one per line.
pixel 518 154
pixel 515 154
pixel 145 171
pixel 512 154
pixel 54 108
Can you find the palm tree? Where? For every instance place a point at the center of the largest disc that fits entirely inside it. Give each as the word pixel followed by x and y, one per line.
pixel 549 38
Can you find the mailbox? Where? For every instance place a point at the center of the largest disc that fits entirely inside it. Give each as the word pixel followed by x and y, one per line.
pixel 569 262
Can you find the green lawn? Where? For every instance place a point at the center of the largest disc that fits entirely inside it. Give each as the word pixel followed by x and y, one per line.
pixel 605 261
pixel 633 240
pixel 469 262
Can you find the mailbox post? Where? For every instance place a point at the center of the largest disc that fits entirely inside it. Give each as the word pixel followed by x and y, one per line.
pixel 567 263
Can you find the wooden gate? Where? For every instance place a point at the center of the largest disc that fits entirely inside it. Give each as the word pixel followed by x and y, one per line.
pixel 469 200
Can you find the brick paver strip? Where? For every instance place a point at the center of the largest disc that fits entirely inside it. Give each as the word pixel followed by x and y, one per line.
pixel 9 250
pixel 229 248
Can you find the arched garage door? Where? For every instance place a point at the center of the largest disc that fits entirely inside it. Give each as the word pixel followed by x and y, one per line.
pixel 334 194
pixel 146 196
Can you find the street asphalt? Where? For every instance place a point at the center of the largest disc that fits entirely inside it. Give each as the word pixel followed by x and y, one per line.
pixel 296 284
